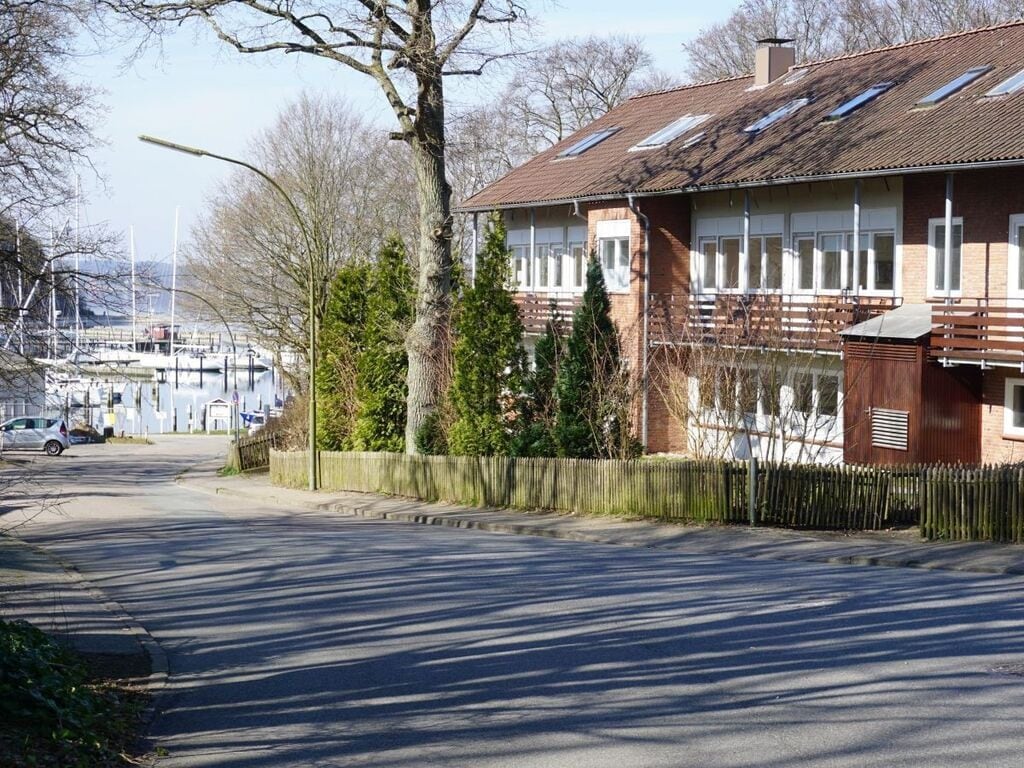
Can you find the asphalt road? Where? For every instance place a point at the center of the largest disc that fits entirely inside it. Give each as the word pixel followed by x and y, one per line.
pixel 304 639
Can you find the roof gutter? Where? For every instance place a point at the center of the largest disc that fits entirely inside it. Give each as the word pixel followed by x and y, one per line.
pixel 644 387
pixel 806 179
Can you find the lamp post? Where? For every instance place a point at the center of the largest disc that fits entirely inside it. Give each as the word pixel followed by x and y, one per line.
pixel 196 152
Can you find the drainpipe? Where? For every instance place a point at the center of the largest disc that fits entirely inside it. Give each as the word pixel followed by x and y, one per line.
pixel 476 242
pixel 743 280
pixel 644 384
pixel 534 274
pixel 948 245
pixel 856 238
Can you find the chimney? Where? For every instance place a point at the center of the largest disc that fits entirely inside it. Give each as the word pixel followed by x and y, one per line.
pixel 773 59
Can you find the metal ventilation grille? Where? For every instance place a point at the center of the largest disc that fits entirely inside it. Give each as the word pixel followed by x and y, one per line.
pixel 889 429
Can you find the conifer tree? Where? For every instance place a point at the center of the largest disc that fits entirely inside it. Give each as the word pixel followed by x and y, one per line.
pixel 535 436
pixel 340 344
pixel 488 355
pixel 382 366
pixel 590 374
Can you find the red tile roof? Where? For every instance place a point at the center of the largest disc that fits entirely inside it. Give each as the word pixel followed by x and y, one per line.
pixel 887 134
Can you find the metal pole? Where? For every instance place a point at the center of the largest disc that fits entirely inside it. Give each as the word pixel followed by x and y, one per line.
pixel 174 283
pixel 752 490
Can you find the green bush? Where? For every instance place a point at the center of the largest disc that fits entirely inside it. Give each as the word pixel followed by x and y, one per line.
pixel 488 355
pixel 45 693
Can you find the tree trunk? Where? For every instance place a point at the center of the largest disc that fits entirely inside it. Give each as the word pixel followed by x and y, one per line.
pixel 429 332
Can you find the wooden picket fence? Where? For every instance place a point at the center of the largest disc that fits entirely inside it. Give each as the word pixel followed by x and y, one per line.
pixel 973 503
pixel 949 503
pixel 253 452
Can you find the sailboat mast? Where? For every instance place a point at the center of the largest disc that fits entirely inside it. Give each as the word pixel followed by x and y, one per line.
pixel 78 251
pixel 131 248
pixel 174 277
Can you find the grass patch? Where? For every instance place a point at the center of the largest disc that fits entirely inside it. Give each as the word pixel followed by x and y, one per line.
pixel 129 440
pixel 60 709
pixel 228 471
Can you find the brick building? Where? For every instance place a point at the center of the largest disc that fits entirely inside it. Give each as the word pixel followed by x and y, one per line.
pixel 816 262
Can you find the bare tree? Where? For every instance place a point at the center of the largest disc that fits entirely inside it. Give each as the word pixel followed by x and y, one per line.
pixel 822 29
pixel 353 188
pixel 45 118
pixel 408 49
pixel 570 83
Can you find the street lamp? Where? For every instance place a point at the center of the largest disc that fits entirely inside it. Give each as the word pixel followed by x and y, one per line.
pixel 313 480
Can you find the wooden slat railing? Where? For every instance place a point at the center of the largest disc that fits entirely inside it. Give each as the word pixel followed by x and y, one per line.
pixel 768 320
pixel 978 331
pixel 537 309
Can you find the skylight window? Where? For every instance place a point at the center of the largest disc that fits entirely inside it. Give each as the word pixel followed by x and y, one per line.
pixel 773 117
pixel 859 101
pixel 1010 85
pixel 672 131
pixel 953 86
pixel 586 143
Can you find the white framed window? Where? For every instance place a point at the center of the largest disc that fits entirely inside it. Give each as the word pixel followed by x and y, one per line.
pixel 518 243
pixel 1015 278
pixel 825 262
pixel 614 253
pixel 939 284
pixel 816 400
pixel 576 262
pixel 1013 408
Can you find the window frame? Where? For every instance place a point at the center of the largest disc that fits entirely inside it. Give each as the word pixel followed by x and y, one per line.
pixel 953 87
pixel 848 282
pixel 859 101
pixel 1007 86
pixel 619 232
pixel 587 143
pixel 671 132
pixel 933 225
pixel 1014 257
pixel 779 113
pixel 1009 429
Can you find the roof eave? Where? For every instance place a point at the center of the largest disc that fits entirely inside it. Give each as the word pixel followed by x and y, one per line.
pixel 772 182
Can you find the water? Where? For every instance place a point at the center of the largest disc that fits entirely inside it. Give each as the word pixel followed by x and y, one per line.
pixel 176 404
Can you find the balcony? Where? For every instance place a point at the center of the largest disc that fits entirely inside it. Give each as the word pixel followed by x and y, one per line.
pixel 788 322
pixel 537 310
pixel 984 332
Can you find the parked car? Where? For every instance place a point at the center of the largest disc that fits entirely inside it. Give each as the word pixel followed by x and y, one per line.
pixel 35 433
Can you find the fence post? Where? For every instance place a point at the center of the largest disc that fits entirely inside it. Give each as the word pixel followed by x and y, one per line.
pixel 752 491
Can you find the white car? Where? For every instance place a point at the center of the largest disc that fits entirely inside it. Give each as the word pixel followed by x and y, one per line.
pixel 35 433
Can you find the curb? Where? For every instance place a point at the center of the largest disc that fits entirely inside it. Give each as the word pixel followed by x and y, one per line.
pixel 159 667
pixel 525 529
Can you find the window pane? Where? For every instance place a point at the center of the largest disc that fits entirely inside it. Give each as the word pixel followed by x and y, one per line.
pixel 579 265
pixel 726 392
pixel 607 249
pixel 770 392
pixel 1020 258
pixel 885 262
pixel 747 395
pixel 542 264
pixel 773 251
pixel 939 247
pixel 802 387
pixel 828 395
pixel 859 279
pixel 731 252
pixel 623 249
pixel 1018 406
pixel 710 250
pixel 805 257
pixel 754 263
pixel 831 262
pixel 556 268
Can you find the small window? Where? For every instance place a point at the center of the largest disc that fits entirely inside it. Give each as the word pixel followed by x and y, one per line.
pixel 1013 408
pixel 773 117
pixel 671 131
pixel 584 144
pixel 939 284
pixel 1010 85
pixel 953 86
pixel 614 254
pixel 859 101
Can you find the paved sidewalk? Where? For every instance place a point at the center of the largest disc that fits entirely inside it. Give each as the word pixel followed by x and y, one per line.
pixel 899 550
pixel 36 588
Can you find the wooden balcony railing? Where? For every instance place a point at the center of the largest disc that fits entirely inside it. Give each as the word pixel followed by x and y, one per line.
pixel 537 309
pixel 978 331
pixel 762 320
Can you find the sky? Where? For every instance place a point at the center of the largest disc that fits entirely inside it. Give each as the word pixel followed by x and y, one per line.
pixel 196 91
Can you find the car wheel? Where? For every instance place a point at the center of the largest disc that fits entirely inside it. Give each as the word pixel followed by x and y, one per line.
pixel 53 448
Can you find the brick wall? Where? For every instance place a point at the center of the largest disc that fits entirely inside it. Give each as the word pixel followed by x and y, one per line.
pixel 985 200
pixel 995 448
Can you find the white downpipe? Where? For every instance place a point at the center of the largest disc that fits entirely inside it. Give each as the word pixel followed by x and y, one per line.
pixel 856 238
pixel 948 245
pixel 174 282
pixel 476 245
pixel 534 266
pixel 743 279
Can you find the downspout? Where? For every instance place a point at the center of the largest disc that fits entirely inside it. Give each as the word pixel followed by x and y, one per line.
pixel 644 384
pixel 948 245
pixel 856 240
pixel 743 278
pixel 534 273
pixel 473 251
